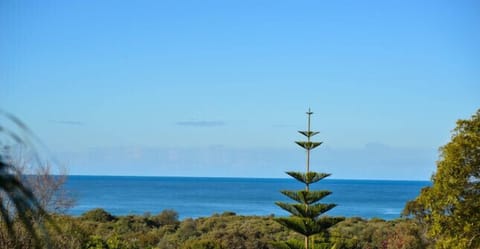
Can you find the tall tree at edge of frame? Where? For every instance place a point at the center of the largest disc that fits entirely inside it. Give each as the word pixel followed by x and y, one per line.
pixel 449 209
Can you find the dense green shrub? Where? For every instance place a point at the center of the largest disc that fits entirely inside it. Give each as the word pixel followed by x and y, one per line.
pixel 98 215
pixel 357 233
pixel 166 217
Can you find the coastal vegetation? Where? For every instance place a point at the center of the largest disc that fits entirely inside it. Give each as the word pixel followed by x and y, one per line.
pixel 98 229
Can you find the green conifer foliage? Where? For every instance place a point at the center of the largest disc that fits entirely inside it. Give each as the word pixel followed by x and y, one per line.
pixel 306 214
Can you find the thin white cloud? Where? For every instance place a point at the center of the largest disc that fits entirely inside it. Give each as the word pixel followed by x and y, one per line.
pixel 282 125
pixel 67 122
pixel 202 123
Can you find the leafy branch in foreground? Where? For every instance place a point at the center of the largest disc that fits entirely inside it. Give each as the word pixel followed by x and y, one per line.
pixel 306 215
pixel 17 200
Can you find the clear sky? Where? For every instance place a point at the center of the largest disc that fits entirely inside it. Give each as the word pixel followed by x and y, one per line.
pixel 219 88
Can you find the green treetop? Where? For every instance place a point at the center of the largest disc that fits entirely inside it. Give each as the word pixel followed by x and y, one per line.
pixel 450 208
pixel 306 213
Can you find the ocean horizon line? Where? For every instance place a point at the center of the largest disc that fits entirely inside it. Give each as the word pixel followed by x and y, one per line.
pixel 244 177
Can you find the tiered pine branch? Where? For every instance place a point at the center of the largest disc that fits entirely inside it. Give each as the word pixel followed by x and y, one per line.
pixel 306 214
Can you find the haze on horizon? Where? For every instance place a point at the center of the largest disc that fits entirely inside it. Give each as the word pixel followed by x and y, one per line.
pixel 184 88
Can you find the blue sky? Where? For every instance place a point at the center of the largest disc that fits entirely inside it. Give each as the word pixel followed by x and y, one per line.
pixel 219 88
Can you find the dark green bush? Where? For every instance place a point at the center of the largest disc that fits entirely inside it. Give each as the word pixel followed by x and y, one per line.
pixel 98 215
pixel 166 217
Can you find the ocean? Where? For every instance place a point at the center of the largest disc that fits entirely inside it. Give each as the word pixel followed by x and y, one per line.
pixel 204 196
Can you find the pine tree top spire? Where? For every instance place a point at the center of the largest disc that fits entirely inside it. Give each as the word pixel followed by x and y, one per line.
pixel 308 145
pixel 308 133
pixel 309 113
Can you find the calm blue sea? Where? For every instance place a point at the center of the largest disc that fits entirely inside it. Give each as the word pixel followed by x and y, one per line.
pixel 197 197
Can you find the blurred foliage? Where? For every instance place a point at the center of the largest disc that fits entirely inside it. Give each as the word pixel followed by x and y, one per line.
pixel 98 215
pixel 22 216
